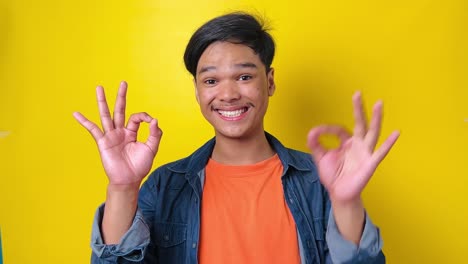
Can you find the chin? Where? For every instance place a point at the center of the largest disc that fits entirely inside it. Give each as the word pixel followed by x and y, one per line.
pixel 230 134
pixel 234 133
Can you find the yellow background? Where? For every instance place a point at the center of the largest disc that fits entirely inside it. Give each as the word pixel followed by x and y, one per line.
pixel 411 54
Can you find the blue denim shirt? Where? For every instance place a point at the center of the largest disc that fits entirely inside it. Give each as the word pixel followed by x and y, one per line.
pixel 166 227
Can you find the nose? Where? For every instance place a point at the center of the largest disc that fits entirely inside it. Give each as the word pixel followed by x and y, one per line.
pixel 229 92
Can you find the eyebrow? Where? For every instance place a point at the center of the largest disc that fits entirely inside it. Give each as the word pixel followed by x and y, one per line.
pixel 238 65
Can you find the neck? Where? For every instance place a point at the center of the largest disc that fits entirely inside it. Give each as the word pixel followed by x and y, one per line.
pixel 242 151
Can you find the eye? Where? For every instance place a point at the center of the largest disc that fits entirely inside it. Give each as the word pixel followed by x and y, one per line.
pixel 245 77
pixel 210 82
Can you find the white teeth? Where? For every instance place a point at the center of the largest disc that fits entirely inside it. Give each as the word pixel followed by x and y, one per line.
pixel 232 113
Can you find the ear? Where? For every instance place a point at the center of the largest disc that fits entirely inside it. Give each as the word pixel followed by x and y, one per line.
pixel 271 82
pixel 196 90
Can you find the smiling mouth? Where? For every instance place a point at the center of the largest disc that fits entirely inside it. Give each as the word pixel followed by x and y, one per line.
pixel 232 113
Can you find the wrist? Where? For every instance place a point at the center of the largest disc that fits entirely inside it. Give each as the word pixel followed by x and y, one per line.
pixel 122 195
pixel 119 212
pixel 347 204
pixel 123 188
pixel 350 218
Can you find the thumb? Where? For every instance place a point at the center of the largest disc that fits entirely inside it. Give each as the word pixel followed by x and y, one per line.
pixel 155 136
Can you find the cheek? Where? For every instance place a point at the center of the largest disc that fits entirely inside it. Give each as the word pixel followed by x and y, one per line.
pixel 205 97
pixel 257 93
pixel 251 91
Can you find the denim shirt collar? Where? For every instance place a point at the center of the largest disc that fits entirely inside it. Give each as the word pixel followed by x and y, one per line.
pixel 198 160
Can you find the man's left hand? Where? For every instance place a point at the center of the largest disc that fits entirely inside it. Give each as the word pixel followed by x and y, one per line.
pixel 346 170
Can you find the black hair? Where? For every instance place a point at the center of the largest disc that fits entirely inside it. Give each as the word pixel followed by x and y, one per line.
pixel 239 28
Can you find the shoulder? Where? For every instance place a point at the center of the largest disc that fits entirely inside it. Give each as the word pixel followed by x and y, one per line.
pixel 163 174
pixel 300 160
pixel 301 167
pixel 301 157
pixel 291 157
pixel 177 166
pixel 181 169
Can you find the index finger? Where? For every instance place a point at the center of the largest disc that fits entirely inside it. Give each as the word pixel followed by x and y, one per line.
pixel 92 128
pixel 313 138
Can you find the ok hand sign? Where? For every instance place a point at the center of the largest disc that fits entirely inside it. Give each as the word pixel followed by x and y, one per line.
pixel 125 161
pixel 345 171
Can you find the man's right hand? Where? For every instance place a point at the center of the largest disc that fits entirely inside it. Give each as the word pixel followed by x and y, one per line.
pixel 126 161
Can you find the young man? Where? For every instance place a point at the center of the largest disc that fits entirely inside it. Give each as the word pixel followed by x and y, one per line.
pixel 242 197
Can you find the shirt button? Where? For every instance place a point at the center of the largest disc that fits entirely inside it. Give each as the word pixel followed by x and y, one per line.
pixel 194 245
pixel 291 200
pixel 166 237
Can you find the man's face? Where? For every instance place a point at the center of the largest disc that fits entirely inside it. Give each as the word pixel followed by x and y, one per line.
pixel 232 88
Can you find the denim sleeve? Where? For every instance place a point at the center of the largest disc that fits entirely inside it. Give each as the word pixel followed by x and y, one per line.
pixel 131 247
pixel 341 250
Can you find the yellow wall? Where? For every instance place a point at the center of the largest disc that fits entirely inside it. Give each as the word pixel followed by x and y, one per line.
pixel 411 54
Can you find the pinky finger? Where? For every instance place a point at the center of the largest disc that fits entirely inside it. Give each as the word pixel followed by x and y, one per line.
pixel 382 152
pixel 92 128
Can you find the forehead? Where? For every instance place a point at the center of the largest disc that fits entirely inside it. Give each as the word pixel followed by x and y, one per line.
pixel 224 53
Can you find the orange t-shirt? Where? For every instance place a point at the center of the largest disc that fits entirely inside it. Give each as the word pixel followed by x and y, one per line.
pixel 244 216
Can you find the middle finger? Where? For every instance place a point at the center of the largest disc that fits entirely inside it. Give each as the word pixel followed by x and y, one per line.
pixel 360 120
pixel 119 108
pixel 106 119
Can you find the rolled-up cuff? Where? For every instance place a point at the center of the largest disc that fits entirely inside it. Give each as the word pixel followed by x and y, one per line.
pixel 132 245
pixel 344 251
